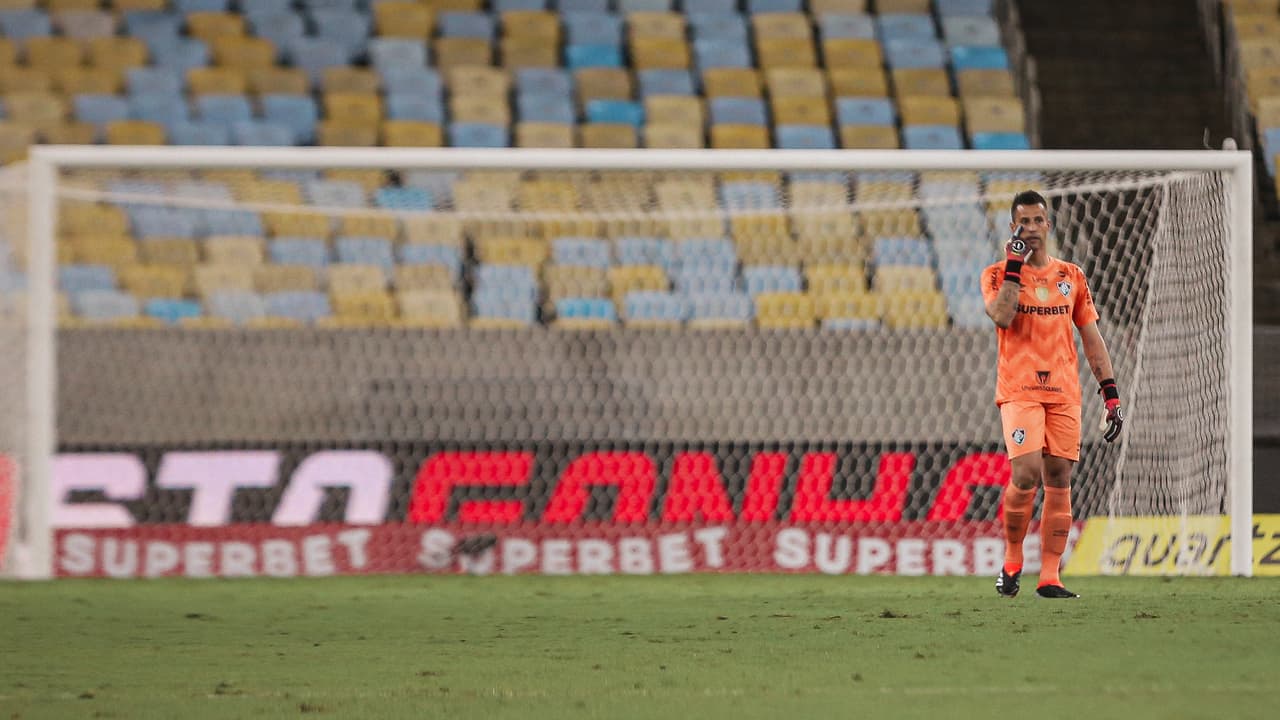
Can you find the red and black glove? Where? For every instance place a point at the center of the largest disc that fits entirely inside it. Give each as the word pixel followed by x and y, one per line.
pixel 1114 419
pixel 1016 252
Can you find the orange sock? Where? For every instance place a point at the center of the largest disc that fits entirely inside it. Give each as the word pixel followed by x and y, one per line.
pixel 1055 526
pixel 1017 516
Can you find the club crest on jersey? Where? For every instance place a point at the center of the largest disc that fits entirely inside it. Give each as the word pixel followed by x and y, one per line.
pixel 1064 287
pixel 1042 294
pixel 1019 436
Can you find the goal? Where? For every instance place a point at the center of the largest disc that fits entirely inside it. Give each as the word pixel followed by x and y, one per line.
pixel 318 361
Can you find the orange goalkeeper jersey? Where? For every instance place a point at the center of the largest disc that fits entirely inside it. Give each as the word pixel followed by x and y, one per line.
pixel 1038 361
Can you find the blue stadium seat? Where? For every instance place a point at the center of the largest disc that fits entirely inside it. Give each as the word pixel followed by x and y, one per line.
pixel 315 55
pixel 865 111
pixel 738 111
pixel 263 134
pixel 739 194
pixel 334 193
pixel 531 107
pixel 406 106
pixel 182 55
pixel 265 8
pixel 447 256
pixel 100 109
pixel 144 24
pixel 837 26
pixel 403 198
pixel 895 26
pixel 707 253
pixel 483 135
pixel 172 311
pixel 646 251
pixel 21 25
pixel 648 305
pixel 165 109
pixel 592 28
pixel 223 108
pixel 238 306
pixel 424 82
pixel 976 31
pixel 716 7
pixel 282 29
pixel 389 53
pixel 709 279
pixel 952 8
pixel 965 57
pixel 577 57
pixel 1000 141
pixel 331 4
pixel 186 7
pixel 311 252
pixel 544 81
pixel 851 324
pixel 1270 146
pixel 299 113
pixel 774 6
pixel 931 137
pixel 501 6
pixel 439 183
pixel 901 251
pixel 306 306
pixel 503 303
pixel 104 304
pixel 466 24
pixel 615 111
pixel 204 132
pixel 587 252
pixel 518 278
pixel 666 82
pixel 771 278
pixel 145 80
pixel 630 6
pixel 149 221
pixel 712 27
pixel 366 251
pixel 911 52
pixel 720 306
pixel 586 309
pixel 805 137
pixel 569 7
pixel 348 28
pixel 968 312
pixel 74 278
pixel 717 52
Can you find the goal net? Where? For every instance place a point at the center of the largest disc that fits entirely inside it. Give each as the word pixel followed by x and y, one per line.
pixel 335 361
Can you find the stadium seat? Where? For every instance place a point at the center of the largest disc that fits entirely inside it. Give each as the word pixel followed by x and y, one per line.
pixel 770 278
pixel 172 311
pixel 737 111
pixel 423 82
pixel 647 308
pixel 104 305
pixel 471 134
pixel 911 52
pixel 299 113
pixel 265 134
pixel 430 308
pixel 304 306
pixel 577 57
pixel 587 252
pixel 310 252
pixel 673 136
pixel 909 82
pixel 953 8
pixel 719 310
pixel 237 306
pixel 412 106
pixel 994 115
pixel 840 53
pixel 446 256
pixel 928 110
pixel 544 81
pixel 592 28
pixel 931 137
pixel 645 251
pixel 386 53
pixel 896 26
pixel 584 312
pixel 711 53
pixel 784 310
pixel 531 107
pixel 964 57
pixel 344 277
pixel 1002 141
pixel 865 111
pixel 839 26
pixel 199 133
pixel 970 30
pixel 665 82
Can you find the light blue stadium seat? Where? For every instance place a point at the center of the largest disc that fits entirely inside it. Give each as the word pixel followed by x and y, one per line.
pixel 182 55
pixel 74 278
pixel 666 82
pixel 86 24
pixel 931 137
pixel 218 221
pixel 771 278
pixel 206 132
pixel 483 135
pixel 311 252
pixel 531 107
pixel 738 194
pixel 501 278
pixel 720 306
pixel 100 109
pixel 630 6
pixel 568 7
pixel 423 82
pixel 865 111
pixel 839 26
pixel 366 251
pixel 910 52
pixel 238 306
pixel 711 53
pixel 165 109
pixel 586 252
pixel 21 25
pixel 961 281
pixel 403 198
pixel 144 80
pixel 297 176
pixel 135 187
pixel 1000 141
pixel 615 111
pixel 586 308
pixel 577 57
pixel 1270 146
pixel 592 28
pixel 544 81
pixel 850 324
pixel 966 57
pixel 157 25
pixel 223 108
pixel 901 251
pixel 150 221
pixel 104 305
pixel 439 183
pixel 968 312
pixel 805 137
pixel 708 279
pixel 466 24
pixel 504 304
pixel 265 8
pixel 282 29
pixel 706 254
pixel 729 27
pixel 334 193
pixel 952 8
pixel 646 251
pixel 386 53
pixel 501 6
pixel 446 256
pixel 976 31
pixel 306 306
pixel 649 305
pixel 955 221
pixel 711 7
pixel 774 6
pixel 406 106
pixel 330 4
pixel 348 28
pixel 893 26
pixel 186 7
pixel 738 111
pixel 314 55
pixel 172 311
pixel 299 113
pixel 263 134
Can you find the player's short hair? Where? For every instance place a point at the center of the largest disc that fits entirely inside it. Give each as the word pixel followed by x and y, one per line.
pixel 1027 197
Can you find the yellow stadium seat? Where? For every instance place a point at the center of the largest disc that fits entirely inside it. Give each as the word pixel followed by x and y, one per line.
pixel 121 6
pixel 847 306
pixel 851 7
pixel 403 20
pixel 526 52
pixel 1250 26
pixel 1268 111
pixel 625 204
pixel 852 52
pixel 87 81
pixel 97 220
pixel 52 53
pixel 535 24
pixel 929 110
pixel 784 310
pixel 660 54
pixel 25 80
pixel 177 252
pixel 353 108
pixel 921 81
pixel 582 323
pixel 8 52
pixel 683 196
pixel 270 191
pixel 439 6
pixel 211 278
pixel 759 224
pixel 435 228
pixel 243 52
pixel 655 25
pixel 675 109
pixel 486 81
pixel 360 81
pixel 480 108
pixel 423 277
pixel 766 249
pixel 113 251
pixel 565 281
pixel 796 82
pixel 153 281
pixel 69 133
pixel 58 6
pixel 278 81
pixel 858 82
pixel 348 134
pixel 603 83
pixel 830 279
pixel 869 137
pixel 426 307
pixel 982 83
pixel 1261 82
pixel 608 135
pixel 381 226
pixel 411 133
pixel 304 224
pixel 991 114
pixel 205 322
pixel 833 249
pixel 731 82
pixel 903 278
pixel 355 278
pixel 785 53
pixel 730 136
pixel 1251 6
pixel 460 51
pixel 217 81
pixel 673 135
pixel 914 310
pixel 374 307
pixel 544 135
pixel 209 25
pixel 797 110
pixel 904 6
pixel 243 250
pixel 625 279
pixel 512 251
pixel 284 278
pixel 117 52
pixel 788 25
pixel 882 223
pixel 135 132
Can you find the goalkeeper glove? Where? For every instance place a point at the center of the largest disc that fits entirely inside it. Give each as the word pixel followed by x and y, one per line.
pixel 1016 252
pixel 1113 421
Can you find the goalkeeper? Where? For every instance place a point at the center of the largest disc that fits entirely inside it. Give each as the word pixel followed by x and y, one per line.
pixel 1035 301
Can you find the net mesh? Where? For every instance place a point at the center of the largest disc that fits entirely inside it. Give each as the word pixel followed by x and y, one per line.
pixel 589 353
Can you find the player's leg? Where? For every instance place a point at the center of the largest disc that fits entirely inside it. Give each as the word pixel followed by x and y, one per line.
pixel 1062 437
pixel 1024 440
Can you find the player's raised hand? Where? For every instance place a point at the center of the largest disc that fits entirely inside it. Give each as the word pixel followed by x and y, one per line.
pixel 1016 252
pixel 1113 420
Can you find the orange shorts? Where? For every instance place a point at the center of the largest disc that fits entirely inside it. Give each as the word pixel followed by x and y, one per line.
pixel 1039 427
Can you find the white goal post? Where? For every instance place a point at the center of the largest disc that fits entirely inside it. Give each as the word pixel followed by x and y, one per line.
pixel 33 551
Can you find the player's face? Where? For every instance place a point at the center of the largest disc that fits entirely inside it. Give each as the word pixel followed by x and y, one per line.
pixel 1034 220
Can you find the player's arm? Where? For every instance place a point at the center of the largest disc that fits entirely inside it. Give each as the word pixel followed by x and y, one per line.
pixel 1095 352
pixel 1004 305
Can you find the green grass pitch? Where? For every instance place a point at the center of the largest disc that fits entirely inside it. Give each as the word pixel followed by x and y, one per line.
pixel 729 646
